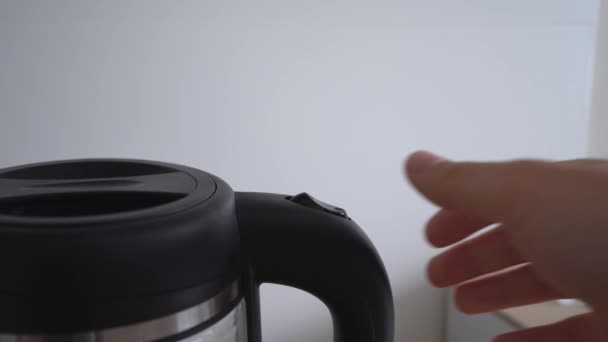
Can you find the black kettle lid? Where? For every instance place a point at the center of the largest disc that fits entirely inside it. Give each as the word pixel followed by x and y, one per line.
pixel 94 243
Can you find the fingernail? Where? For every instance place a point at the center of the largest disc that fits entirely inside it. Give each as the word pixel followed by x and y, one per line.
pixel 421 161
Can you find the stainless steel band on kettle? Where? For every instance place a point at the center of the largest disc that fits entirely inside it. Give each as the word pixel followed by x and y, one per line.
pixel 163 327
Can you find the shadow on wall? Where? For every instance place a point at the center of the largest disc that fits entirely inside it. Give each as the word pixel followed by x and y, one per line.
pixel 407 327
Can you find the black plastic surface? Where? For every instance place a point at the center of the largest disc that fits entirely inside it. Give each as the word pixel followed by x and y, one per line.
pixel 313 203
pixel 92 244
pixel 319 252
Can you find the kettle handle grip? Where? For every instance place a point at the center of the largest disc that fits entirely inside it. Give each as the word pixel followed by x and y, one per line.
pixel 320 252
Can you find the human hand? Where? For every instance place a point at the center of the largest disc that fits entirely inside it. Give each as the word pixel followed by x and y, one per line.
pixel 546 238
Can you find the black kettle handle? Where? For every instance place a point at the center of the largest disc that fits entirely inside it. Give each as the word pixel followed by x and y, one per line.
pixel 303 243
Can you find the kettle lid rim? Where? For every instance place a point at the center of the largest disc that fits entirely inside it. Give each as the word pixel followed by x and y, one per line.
pixel 76 182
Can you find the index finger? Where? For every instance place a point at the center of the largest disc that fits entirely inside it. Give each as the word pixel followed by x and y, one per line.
pixel 491 190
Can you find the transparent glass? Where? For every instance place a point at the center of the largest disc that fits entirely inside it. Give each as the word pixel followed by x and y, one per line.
pixel 231 328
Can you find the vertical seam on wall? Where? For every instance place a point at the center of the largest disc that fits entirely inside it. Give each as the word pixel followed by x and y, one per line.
pixel 593 108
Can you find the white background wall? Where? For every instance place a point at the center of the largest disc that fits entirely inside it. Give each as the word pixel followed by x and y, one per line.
pixel 286 96
pixel 598 139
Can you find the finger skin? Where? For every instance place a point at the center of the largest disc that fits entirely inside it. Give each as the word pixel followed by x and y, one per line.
pixel 447 227
pixel 486 253
pixel 493 191
pixel 555 215
pixel 516 287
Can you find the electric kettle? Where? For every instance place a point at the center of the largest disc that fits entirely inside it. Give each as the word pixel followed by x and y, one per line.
pixel 119 250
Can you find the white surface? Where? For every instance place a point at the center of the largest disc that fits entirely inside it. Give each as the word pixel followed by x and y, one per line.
pixel 599 124
pixel 285 96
